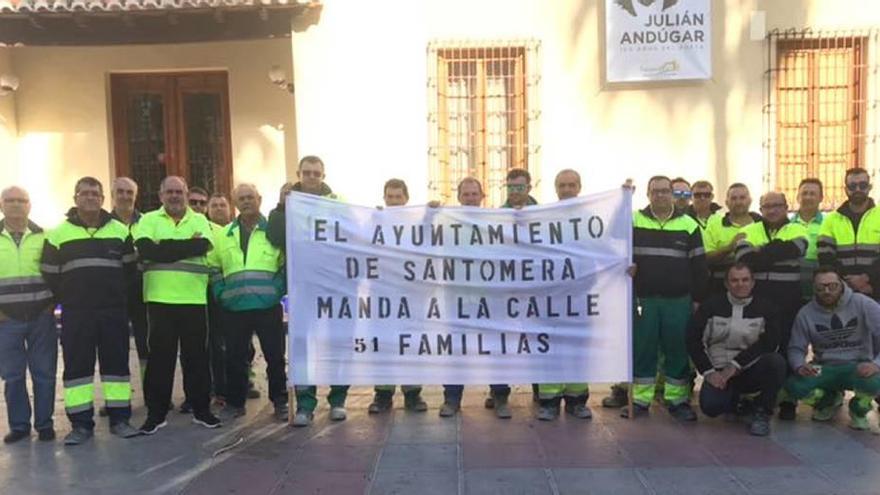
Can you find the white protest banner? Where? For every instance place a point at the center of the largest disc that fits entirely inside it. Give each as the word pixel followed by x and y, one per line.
pixel 655 40
pixel 459 295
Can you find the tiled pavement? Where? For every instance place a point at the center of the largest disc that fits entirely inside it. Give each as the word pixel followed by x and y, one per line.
pixel 412 453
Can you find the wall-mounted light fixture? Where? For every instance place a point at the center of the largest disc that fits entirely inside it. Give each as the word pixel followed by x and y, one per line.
pixel 8 84
pixel 279 78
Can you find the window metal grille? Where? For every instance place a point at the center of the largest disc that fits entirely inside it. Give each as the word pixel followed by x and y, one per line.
pixel 820 95
pixel 482 115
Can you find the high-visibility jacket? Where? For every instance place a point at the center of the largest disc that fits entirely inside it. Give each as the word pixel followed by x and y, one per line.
pixel 23 292
pixel 251 279
pixel 89 267
pixel 774 256
pixel 720 231
pixel 852 251
pixel 664 248
pixel 174 256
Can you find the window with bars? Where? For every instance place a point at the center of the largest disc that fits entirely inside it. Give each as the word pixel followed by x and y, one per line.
pixel 819 95
pixel 482 115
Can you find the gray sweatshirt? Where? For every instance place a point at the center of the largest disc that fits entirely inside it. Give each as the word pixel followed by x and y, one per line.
pixel 849 333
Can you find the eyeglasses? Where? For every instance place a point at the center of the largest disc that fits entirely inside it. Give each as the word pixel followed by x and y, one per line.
pixel 703 195
pixel 681 194
pixel 858 186
pixel 517 187
pixel 198 202
pixel 829 287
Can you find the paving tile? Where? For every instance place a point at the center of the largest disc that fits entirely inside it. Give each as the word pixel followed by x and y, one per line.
pixel 748 451
pixel 777 480
pixel 501 455
pixel 598 481
pixel 506 482
pixel 696 481
pixel 419 457
pixel 576 453
pixel 239 475
pixel 672 453
pixel 309 482
pixel 406 482
pixel 436 432
pixel 341 458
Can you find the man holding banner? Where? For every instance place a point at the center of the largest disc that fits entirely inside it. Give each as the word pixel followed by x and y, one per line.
pixel 665 241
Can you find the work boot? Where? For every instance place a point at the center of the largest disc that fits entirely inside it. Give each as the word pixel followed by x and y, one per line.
pixel 413 402
pixel 826 408
pixel 302 418
pixel 787 411
pixel 449 409
pixel 618 398
pixel 78 436
pixel 760 426
pixel 337 413
pixel 502 408
pixel 382 402
pixel 489 403
pixel 46 434
pixel 281 411
pixel 123 429
pixel 639 411
pixel 682 412
pixel 857 422
pixel 16 435
pixel 548 411
pixel 579 410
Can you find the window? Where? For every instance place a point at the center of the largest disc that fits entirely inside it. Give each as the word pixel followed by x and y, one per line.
pixel 482 115
pixel 820 95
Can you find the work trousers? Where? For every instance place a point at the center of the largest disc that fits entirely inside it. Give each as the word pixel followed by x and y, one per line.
pixel 269 327
pixel 766 376
pixel 661 326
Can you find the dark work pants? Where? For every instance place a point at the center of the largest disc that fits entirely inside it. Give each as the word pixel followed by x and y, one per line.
pixel 453 393
pixel 269 327
pixel 137 314
pixel 217 322
pixel 171 325
pixel 85 334
pixel 766 376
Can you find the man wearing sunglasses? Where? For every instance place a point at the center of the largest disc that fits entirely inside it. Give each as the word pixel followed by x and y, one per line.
pixel 681 193
pixel 310 173
pixel 842 328
pixel 702 207
pixel 773 249
pixel 198 200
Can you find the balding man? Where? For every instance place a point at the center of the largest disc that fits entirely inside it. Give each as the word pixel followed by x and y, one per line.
pixel 250 289
pixel 173 243
pixel 773 248
pixel 28 339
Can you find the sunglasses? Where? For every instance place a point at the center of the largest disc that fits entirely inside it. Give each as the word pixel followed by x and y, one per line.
pixel 858 186
pixel 516 187
pixel 681 194
pixel 703 195
pixel 198 202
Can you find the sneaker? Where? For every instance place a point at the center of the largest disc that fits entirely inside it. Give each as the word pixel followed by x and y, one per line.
pixel 230 412
pixel 449 409
pixel 302 418
pixel 415 403
pixel 185 408
pixel 338 413
pixel 787 411
pixel 46 434
pixel 124 430
pixel 580 411
pixel 379 405
pixel 639 411
pixel 683 412
pixel 502 408
pixel 823 411
pixel 859 422
pixel 760 426
pixel 16 435
pixel 151 426
pixel 282 410
pixel 78 436
pixel 489 403
pixel 617 399
pixel 547 413
pixel 207 420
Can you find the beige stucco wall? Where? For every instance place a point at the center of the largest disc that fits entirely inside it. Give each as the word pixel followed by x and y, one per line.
pixel 361 97
pixel 63 112
pixel 8 127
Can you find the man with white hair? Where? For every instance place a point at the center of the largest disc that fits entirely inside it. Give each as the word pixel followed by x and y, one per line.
pixel 250 289
pixel 28 339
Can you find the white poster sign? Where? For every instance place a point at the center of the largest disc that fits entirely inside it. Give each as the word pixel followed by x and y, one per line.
pixel 655 40
pixel 459 295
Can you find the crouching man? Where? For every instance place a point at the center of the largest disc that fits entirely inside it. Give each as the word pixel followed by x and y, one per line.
pixel 732 340
pixel 843 328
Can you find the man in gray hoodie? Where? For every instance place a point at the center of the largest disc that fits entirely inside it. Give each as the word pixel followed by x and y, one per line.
pixel 843 328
